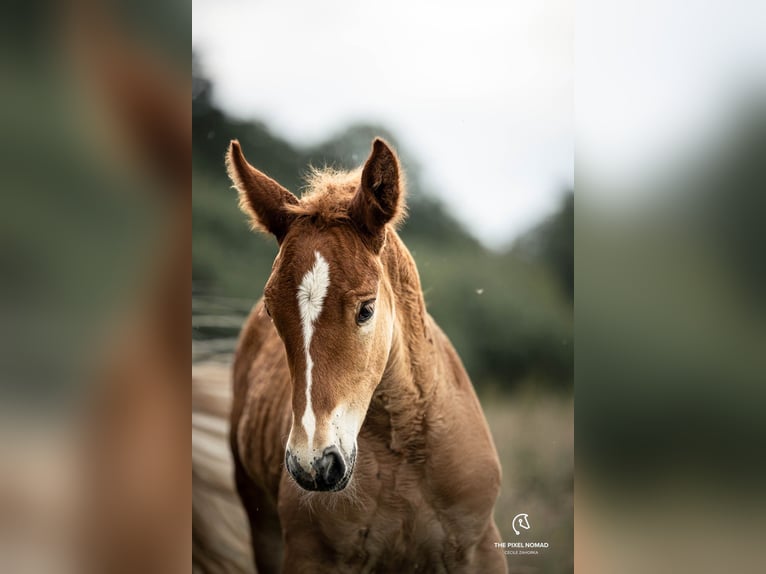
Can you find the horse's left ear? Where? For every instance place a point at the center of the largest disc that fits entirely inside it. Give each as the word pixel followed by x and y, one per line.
pixel 262 198
pixel 380 197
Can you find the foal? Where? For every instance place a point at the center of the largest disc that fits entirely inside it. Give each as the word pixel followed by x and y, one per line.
pixel 359 444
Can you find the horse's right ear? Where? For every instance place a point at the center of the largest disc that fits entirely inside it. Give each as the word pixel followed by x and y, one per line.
pixel 380 197
pixel 262 198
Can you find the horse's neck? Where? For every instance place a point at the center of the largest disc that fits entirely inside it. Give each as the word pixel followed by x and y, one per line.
pixel 400 404
pixel 412 342
pixel 411 317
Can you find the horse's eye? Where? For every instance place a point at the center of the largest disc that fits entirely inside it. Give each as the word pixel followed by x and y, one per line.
pixel 366 311
pixel 266 308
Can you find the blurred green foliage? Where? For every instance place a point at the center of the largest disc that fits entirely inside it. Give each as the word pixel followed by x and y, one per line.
pixel 671 323
pixel 508 313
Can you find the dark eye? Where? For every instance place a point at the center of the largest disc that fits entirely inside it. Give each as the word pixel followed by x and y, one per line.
pixel 266 308
pixel 366 311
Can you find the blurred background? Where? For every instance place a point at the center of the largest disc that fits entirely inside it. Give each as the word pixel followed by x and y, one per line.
pixel 671 322
pixel 95 234
pixel 478 104
pixel 94 293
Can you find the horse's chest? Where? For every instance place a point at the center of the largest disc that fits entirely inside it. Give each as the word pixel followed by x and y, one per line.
pixel 401 516
pixel 392 518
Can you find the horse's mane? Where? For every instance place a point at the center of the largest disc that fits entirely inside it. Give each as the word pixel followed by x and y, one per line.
pixel 327 195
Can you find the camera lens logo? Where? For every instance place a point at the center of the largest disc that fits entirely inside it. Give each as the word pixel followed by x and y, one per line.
pixel 520 521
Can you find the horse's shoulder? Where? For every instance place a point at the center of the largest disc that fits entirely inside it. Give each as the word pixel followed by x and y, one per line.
pixel 256 335
pixel 260 358
pixel 261 394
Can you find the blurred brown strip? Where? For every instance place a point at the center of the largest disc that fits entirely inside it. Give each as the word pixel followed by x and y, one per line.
pixel 138 516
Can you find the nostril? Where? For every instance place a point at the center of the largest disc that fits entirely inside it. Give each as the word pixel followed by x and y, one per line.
pixel 291 463
pixel 331 466
pixel 299 474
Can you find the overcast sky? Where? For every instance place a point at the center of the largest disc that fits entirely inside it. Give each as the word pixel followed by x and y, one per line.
pixel 658 79
pixel 480 92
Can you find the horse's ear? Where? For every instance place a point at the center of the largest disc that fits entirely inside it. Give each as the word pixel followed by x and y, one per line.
pixel 262 198
pixel 380 197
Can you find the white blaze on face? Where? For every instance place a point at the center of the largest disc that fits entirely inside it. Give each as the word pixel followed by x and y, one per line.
pixel 311 294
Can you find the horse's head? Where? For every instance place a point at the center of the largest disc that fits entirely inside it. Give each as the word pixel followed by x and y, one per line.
pixel 330 301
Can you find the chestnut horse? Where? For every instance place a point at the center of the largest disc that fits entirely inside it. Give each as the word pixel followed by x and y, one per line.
pixel 358 442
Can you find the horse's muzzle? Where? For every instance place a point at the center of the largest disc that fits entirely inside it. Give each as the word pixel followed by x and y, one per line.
pixel 329 472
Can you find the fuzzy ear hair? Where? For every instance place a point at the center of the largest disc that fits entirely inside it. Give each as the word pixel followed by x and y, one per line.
pixel 262 198
pixel 380 197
